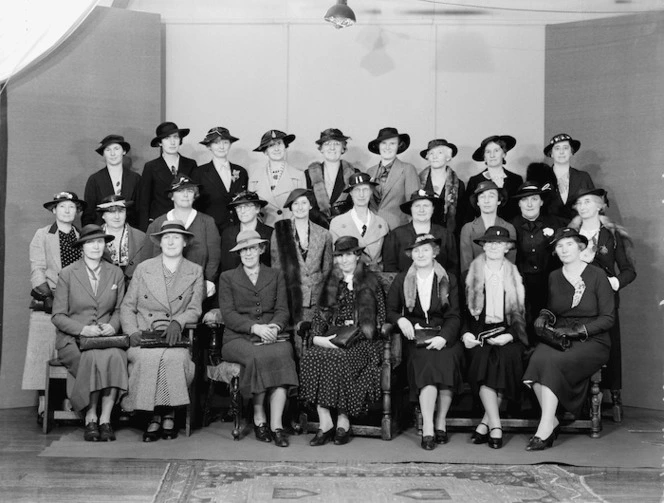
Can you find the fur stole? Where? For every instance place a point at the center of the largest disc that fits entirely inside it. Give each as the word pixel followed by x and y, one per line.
pixel 613 228
pixel 451 193
pixel 289 258
pixel 365 284
pixel 317 178
pixel 410 285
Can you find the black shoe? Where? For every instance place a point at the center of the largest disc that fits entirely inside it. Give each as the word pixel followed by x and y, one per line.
pixel 262 433
pixel 106 433
pixel 480 438
pixel 342 436
pixel 91 433
pixel 495 443
pixel 152 436
pixel 537 444
pixel 280 438
pixel 169 433
pixel 441 436
pixel 428 443
pixel 322 437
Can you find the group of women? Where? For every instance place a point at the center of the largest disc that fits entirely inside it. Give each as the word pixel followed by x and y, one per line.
pixel 486 273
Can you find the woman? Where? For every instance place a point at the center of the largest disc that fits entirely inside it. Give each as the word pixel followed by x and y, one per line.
pixel 442 181
pixel 254 308
pixel 167 289
pixel 346 380
pixel 422 207
pixel 360 222
pixel 219 180
pixel 395 178
pixel 51 249
pixel 495 300
pixel 426 296
pixel 487 197
pixel 275 180
pixel 493 151
pixel 581 306
pixel 610 248
pixel 303 250
pixel 87 303
pixel 127 243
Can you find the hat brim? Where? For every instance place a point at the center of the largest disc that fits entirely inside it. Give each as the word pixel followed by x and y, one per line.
pixel 98 235
pixel 183 186
pixel 404 143
pixel 155 237
pixel 288 139
pixel 407 206
pixel 520 195
pixel 354 250
pixel 580 237
pixel 509 141
pixel 435 241
pixel 126 147
pixel 123 204
pixel 451 146
pixel 589 192
pixel 308 194
pixel 494 239
pixel 260 203
pixel 231 139
pixel 82 205
pixel 251 242
pixel 351 187
pixel 320 141
pixel 575 144
pixel 157 139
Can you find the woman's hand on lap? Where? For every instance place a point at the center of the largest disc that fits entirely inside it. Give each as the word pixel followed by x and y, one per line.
pixel 406 328
pixel 469 340
pixel 91 331
pixel 436 343
pixel 324 341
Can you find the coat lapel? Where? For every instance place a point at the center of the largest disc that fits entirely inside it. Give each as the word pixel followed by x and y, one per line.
pixel 157 284
pixel 81 276
pixel 316 244
pixel 374 232
pixel 394 175
pixel 183 279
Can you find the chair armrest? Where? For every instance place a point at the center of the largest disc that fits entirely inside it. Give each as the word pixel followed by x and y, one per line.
pixel 392 340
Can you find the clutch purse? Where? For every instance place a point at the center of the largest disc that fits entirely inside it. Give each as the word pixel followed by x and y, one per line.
pixel 422 335
pixel 86 343
pixel 488 334
pixel 154 338
pixel 283 337
pixel 344 336
pixel 549 337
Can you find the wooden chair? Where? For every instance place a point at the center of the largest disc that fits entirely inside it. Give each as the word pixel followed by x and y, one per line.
pixel 55 372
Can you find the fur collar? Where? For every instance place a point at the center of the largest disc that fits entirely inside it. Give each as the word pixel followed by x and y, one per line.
pixel 289 258
pixel 410 285
pixel 614 229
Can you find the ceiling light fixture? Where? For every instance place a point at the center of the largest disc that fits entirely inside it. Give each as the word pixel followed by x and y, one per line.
pixel 340 15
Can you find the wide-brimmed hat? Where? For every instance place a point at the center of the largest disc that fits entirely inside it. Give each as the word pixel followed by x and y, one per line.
pixel 359 179
pixel 216 133
pixel 495 234
pixel 347 244
pixel 560 137
pixel 483 187
pixel 113 201
pixel 589 192
pixel 273 135
pixel 65 196
pixel 509 142
pixel 246 197
pixel 566 232
pixel 110 139
pixel 385 134
pixel 417 196
pixel 332 134
pixel 181 182
pixel 246 239
pixel 440 142
pixel 299 193
pixel 532 189
pixel 423 239
pixel 171 227
pixel 90 232
pixel 166 129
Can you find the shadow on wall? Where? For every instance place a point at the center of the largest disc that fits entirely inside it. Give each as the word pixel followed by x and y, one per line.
pixel 377 61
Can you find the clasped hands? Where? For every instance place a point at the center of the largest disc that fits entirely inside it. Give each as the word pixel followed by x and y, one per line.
pixel 267 332
pixel 408 330
pixel 97 330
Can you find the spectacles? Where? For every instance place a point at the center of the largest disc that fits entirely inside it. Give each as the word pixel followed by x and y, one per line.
pixel 250 250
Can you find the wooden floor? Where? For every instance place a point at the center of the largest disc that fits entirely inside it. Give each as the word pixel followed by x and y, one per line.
pixel 26 477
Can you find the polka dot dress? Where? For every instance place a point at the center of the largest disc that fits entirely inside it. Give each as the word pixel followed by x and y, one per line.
pixel 68 253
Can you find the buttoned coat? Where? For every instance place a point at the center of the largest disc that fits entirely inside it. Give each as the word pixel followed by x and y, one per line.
pixel 45 261
pixel 469 250
pixel 343 225
pixel 214 197
pixel 401 182
pixel 260 183
pixel 99 186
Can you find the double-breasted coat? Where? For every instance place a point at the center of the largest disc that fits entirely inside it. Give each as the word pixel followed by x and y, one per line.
pixel 402 181
pixel 214 196
pixel 260 182
pixel 373 238
pixel 99 186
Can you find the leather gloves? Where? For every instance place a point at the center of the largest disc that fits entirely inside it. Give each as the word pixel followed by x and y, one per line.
pixel 135 339
pixel 172 332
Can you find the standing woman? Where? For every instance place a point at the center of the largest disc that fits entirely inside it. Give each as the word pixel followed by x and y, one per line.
pixel 609 248
pixel 170 289
pixel 495 300
pixel 303 250
pixel 87 303
pixel 275 180
pixel 441 180
pixel 426 296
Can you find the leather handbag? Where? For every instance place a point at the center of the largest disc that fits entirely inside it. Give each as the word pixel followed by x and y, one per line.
pixel 550 337
pixel 155 338
pixel 86 343
pixel 422 335
pixel 489 334
pixel 344 336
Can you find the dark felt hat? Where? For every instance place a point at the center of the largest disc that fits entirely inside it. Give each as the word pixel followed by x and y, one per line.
pixel 90 232
pixel 589 192
pixel 385 134
pixel 332 134
pixel 347 244
pixel 532 189
pixel 273 135
pixel 417 196
pixel 171 227
pixel 509 142
pixel 560 137
pixel 166 129
pixel 113 201
pixel 299 193
pixel 110 139
pixel 423 239
pixel 495 234
pixel 246 197
pixel 359 179
pixel 483 187
pixel 65 196
pixel 441 142
pixel 247 239
pixel 181 182
pixel 218 133
pixel 566 232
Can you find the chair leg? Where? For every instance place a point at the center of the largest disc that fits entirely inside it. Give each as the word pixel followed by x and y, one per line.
pixel 206 407
pixel 236 406
pixel 48 414
pixel 304 420
pixel 187 422
pixel 386 387
pixel 596 408
pixel 617 406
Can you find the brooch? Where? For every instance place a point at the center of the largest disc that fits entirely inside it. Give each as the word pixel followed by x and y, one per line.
pixel 603 250
pixel 235 174
pixel 547 231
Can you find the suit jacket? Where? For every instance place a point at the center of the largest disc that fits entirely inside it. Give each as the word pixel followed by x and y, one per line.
pixel 244 304
pixel 469 250
pixel 533 254
pixel 401 182
pixel 99 186
pixel 135 242
pixel 259 182
pixel 213 194
pixel 452 222
pixel 149 300
pixel 510 185
pixel 394 248
pixel 317 214
pixel 343 225
pixel 578 180
pixel 229 259
pixel 45 262
pixel 157 178
pixel 75 304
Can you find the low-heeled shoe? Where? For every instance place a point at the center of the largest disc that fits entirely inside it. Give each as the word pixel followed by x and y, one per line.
pixel 428 443
pixel 441 436
pixel 152 436
pixel 495 443
pixel 342 436
pixel 322 437
pixel 537 444
pixel 91 433
pixel 169 433
pixel 280 438
pixel 106 433
pixel 480 438
pixel 263 433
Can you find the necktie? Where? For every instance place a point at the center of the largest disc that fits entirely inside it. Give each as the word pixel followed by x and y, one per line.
pixel 364 230
pixel 174 170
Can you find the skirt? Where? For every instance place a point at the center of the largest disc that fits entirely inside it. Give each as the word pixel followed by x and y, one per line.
pixel 40 349
pixel 428 367
pixel 497 367
pixel 99 369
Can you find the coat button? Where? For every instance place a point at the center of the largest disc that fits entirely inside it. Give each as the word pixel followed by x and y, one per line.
pixel 149 315
pixel 279 212
pixel 168 315
pixel 145 296
pixel 180 297
pixel 131 263
pixel 258 303
pixel 256 294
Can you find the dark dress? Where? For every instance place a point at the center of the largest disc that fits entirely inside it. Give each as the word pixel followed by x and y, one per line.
pixel 343 379
pixel 511 185
pixel 99 186
pixel 213 194
pixel 427 367
pixel 566 373
pixel 395 243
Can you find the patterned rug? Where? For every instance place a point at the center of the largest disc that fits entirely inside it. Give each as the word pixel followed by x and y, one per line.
pixel 211 482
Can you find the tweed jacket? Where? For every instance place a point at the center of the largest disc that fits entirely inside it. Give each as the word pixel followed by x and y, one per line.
pixel 469 250
pixel 259 182
pixel 135 243
pixel 324 209
pixel 578 180
pixel 244 304
pixel 213 194
pixel 394 248
pixel 343 225
pixel 229 259
pixel 157 178
pixel 45 263
pixel 76 305
pixel 99 186
pixel 511 185
pixel 401 182
pixel 147 299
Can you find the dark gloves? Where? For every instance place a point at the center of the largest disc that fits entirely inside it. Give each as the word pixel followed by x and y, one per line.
pixel 545 318
pixel 172 332
pixel 135 339
pixel 44 296
pixel 577 332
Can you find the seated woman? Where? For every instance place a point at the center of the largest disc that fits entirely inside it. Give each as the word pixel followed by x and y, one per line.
pixel 426 296
pixel 87 303
pixel 581 306
pixel 127 242
pixel 346 380
pixel 254 307
pixel 495 298
pixel 170 289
